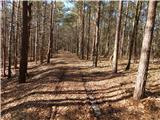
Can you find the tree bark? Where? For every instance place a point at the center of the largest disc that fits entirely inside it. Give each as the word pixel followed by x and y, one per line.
pixel 24 44
pixel 4 37
pixel 77 38
pixel 97 39
pixel 82 33
pixel 145 52
pixel 88 39
pixel 51 36
pixel 124 30
pixel 36 42
pixel 117 38
pixel 37 36
pixel 43 36
pixel 10 41
pixel 135 28
pixel 16 38
pixel 108 30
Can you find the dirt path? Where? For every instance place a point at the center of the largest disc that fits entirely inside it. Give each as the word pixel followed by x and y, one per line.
pixel 70 89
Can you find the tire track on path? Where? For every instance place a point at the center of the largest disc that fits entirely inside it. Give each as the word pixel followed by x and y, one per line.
pixel 54 109
pixel 92 100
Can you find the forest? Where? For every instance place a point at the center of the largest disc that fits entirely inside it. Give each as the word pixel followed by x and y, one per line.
pixel 80 60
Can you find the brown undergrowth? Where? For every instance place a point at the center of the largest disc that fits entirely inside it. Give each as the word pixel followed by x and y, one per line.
pixel 59 91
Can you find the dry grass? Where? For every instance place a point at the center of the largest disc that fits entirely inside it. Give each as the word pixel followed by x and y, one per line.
pixel 61 91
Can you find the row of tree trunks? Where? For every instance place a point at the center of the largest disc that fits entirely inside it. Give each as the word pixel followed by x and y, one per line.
pixel 15 39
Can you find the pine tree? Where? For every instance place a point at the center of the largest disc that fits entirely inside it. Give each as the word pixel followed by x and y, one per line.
pixel 117 38
pixel 24 44
pixel 145 52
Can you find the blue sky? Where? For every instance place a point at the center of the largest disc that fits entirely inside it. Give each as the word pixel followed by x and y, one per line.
pixel 67 3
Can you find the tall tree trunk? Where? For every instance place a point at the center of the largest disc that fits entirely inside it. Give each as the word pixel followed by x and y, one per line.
pixel 24 44
pixel 36 42
pixel 89 24
pixel 37 36
pixel 97 39
pixel 77 38
pixel 80 21
pixel 55 30
pixel 108 30
pixel 82 32
pixel 43 36
pixel 16 38
pixel 145 52
pixel 29 22
pixel 10 41
pixel 93 40
pixel 134 36
pixel 117 38
pixel 4 37
pixel 51 36
pixel 124 30
pixel 31 47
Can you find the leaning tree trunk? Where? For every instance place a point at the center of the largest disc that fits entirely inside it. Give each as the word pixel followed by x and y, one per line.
pixel 134 36
pixel 145 52
pixel 117 38
pixel 97 39
pixel 24 44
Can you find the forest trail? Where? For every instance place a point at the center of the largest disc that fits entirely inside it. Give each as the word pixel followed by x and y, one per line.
pixel 69 89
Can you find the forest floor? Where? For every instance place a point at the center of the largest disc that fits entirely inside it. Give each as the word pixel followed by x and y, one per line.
pixel 71 89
